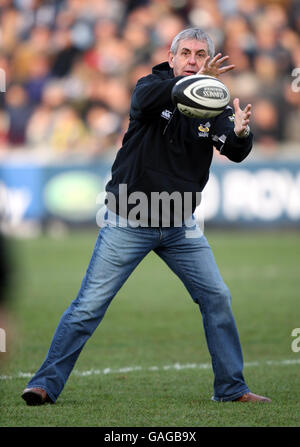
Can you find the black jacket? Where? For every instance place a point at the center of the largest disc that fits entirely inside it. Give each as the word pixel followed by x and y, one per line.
pixel 164 150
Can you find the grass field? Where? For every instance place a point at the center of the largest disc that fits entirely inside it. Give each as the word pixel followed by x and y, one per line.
pixel 147 364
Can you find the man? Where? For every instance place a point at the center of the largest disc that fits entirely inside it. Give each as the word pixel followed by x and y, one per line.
pixel 162 151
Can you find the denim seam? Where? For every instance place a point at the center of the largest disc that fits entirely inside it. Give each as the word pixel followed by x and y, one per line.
pixel 91 265
pixel 203 311
pixel 203 305
pixel 194 287
pixel 63 330
pixel 233 396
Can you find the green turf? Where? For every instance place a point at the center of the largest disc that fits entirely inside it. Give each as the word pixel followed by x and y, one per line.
pixel 153 322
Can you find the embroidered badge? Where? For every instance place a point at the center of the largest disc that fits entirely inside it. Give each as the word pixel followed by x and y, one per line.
pixel 166 114
pixel 203 131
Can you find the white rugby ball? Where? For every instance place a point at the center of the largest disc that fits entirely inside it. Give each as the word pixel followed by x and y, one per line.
pixel 200 96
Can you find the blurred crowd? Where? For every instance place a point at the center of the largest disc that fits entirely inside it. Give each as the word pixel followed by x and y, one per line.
pixel 69 66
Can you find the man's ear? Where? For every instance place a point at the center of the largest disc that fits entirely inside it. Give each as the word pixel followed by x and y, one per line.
pixel 171 59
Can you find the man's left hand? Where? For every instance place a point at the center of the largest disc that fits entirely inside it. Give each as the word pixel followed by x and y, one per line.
pixel 242 118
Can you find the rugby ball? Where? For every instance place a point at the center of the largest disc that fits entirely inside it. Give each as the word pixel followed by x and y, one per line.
pixel 200 96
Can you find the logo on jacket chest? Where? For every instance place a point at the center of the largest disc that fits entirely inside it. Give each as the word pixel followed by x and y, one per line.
pixel 166 114
pixel 203 130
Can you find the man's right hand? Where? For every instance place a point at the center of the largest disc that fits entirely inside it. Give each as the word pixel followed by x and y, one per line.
pixel 213 67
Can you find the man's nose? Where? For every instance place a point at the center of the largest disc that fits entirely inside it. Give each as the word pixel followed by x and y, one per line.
pixel 192 59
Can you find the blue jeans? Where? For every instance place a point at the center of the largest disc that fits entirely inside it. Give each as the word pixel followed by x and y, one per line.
pixel 118 250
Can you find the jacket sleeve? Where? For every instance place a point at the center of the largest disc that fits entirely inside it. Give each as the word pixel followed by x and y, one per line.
pixel 226 141
pixel 151 95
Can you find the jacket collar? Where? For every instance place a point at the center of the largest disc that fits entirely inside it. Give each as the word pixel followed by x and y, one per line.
pixel 163 70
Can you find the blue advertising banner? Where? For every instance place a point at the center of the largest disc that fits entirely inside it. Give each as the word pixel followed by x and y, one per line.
pixel 253 193
pixel 250 194
pixel 41 192
pixel 21 192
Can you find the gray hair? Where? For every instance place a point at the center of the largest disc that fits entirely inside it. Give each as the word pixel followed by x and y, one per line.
pixel 193 33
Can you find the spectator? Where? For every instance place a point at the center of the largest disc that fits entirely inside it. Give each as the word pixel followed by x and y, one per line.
pixel 38 130
pixel 39 73
pixel 18 111
pixel 112 56
pixel 10 23
pixel 24 55
pixel 4 124
pixel 268 76
pixel 86 53
pixel 294 15
pixel 53 94
pixel 165 29
pixel 117 95
pixel 65 53
pixel 292 110
pixel 266 125
pixel 103 128
pixel 69 133
pixel 137 37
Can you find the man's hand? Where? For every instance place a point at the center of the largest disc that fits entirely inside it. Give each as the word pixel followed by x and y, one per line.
pixel 213 67
pixel 242 118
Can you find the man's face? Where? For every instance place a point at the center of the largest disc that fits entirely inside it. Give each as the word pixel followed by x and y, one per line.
pixel 189 57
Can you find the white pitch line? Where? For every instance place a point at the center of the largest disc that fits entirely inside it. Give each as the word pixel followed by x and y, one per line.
pixel 175 366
